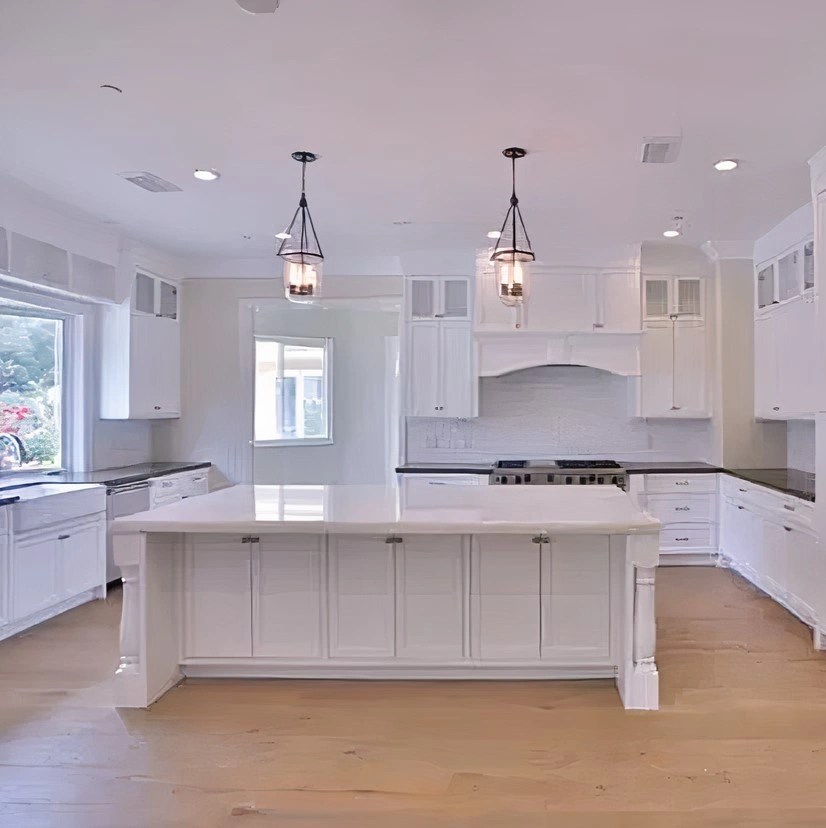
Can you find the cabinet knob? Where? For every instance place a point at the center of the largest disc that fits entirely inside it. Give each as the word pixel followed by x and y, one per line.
pixel 775 408
pixel 63 537
pixel 392 539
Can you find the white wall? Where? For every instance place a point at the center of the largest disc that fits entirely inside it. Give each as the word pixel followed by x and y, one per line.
pixel 556 411
pixel 360 423
pixel 801 445
pixel 216 392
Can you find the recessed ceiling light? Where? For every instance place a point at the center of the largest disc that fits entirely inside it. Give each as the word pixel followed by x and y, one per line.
pixel 494 234
pixel 726 164
pixel 676 229
pixel 207 175
pixel 283 235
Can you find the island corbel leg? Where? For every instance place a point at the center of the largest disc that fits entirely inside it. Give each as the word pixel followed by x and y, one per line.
pixel 637 678
pixel 149 660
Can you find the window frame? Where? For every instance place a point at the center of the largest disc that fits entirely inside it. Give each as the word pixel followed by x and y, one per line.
pixel 72 423
pixel 309 341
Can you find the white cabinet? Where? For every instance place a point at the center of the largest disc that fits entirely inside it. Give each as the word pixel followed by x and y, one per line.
pixel 768 537
pixel 38 262
pixel 34 574
pixel 141 354
pixel 674 361
pixel 504 597
pixel 80 549
pixel 362 597
pixel 674 355
pixel 430 589
pixel 785 342
pixel 217 596
pixel 287 594
pixel 5 563
pixel 574 598
pixel 438 361
pixel 440 297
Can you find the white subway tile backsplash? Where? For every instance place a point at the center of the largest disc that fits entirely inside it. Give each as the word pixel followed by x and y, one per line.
pixel 556 412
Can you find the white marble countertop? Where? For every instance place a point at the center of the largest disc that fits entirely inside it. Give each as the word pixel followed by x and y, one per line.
pixel 415 507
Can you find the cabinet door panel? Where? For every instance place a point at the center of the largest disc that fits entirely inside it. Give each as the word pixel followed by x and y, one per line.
pixel 287 596
pixel 619 301
pixel 561 302
pixel 575 587
pixel 656 364
pixel 456 357
pixel 155 367
pixel 423 370
pixel 505 601
pixel 81 553
pixel 773 567
pixel 430 594
pixel 362 597
pixel 766 399
pixel 690 366
pixel 217 597
pixel 35 573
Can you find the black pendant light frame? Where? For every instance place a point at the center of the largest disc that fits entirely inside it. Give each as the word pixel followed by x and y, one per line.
pixel 309 249
pixel 509 251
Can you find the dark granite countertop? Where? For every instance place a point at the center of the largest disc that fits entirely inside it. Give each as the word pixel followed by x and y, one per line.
pixel 789 481
pixel 106 477
pixel 671 467
pixel 445 468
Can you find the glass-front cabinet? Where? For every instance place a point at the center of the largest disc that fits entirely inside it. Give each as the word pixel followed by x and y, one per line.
pixel 439 298
pixel 673 296
pixel 153 296
pixel 786 276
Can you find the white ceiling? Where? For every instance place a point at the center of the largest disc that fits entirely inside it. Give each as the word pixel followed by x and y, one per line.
pixel 410 102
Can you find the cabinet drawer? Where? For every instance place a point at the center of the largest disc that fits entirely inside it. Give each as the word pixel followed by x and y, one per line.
pixel 682 508
pixel 680 483
pixel 695 536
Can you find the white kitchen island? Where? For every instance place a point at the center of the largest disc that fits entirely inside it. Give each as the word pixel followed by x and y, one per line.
pixel 367 582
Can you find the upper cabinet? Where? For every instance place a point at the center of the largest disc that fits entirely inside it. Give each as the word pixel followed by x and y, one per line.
pixel 141 353
pixel 438 365
pixel 785 328
pixel 437 298
pixel 674 349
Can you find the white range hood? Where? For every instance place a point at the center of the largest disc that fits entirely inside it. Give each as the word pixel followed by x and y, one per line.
pixel 585 309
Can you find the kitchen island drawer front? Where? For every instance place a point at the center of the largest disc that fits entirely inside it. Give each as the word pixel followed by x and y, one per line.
pixel 682 509
pixel 689 536
pixel 680 483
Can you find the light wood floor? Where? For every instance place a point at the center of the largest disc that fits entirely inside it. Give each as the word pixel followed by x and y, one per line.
pixel 740 738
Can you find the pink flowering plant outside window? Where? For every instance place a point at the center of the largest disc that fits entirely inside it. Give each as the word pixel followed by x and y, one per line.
pixel 30 392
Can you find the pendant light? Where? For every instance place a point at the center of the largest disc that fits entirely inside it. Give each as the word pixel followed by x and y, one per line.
pixel 300 248
pixel 512 254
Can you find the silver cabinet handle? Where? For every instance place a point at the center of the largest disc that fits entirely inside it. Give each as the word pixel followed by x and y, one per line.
pixel 680 539
pixel 788 507
pixel 775 408
pixel 63 537
pixel 742 490
pixel 682 508
pixel 393 539
pixel 682 483
pixel 788 528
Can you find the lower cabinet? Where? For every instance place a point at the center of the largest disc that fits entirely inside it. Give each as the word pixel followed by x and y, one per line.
pixel 777 551
pixel 361 597
pixel 35 574
pixel 430 597
pixel 217 597
pixel 286 599
pixel 52 565
pixel 504 597
pixel 422 598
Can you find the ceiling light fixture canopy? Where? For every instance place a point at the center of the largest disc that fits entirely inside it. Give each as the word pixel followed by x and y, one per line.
pixel 300 247
pixel 512 254
pixel 676 229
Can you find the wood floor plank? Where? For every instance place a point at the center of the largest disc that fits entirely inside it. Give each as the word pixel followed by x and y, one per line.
pixel 740 738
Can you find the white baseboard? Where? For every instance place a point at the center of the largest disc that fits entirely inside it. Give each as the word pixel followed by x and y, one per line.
pixel 689 557
pixel 30 621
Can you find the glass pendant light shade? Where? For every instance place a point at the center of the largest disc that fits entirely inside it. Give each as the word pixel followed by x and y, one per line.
pixel 300 248
pixel 512 254
pixel 302 280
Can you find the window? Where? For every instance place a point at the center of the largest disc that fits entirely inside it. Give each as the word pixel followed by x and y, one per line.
pixel 31 387
pixel 292 390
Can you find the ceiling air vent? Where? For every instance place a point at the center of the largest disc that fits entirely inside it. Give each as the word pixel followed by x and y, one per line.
pixel 150 182
pixel 661 150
